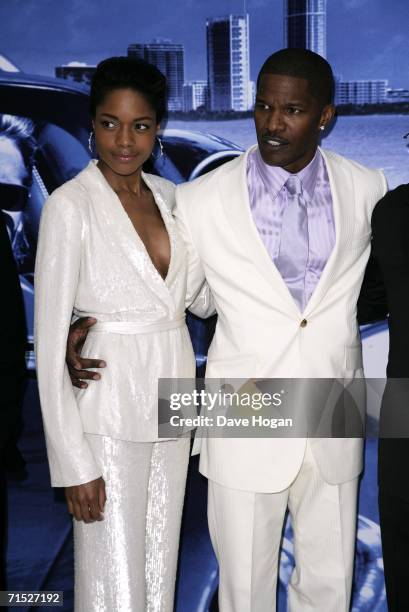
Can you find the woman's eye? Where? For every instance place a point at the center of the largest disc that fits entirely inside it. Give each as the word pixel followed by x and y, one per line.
pixel 141 127
pixel 107 124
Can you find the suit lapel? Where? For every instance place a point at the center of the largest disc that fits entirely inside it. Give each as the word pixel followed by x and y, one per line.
pixel 177 250
pixel 120 234
pixel 236 203
pixel 343 202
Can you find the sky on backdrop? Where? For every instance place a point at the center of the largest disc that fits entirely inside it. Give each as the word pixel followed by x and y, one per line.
pixel 366 39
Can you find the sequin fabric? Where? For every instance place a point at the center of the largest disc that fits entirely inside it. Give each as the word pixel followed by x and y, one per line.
pixel 90 260
pixel 127 562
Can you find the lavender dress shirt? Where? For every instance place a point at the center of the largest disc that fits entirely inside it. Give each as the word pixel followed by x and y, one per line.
pixel 268 197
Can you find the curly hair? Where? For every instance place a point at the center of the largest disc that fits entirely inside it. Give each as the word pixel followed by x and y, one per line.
pixel 129 73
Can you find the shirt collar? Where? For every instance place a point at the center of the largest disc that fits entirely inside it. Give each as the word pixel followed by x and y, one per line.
pixel 275 177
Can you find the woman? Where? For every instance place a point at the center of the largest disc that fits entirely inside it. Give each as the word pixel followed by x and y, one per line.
pixel 108 248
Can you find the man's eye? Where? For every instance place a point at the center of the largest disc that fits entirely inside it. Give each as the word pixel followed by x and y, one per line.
pixel 262 106
pixel 293 110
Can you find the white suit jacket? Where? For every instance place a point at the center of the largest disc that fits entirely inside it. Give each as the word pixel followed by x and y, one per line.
pixel 258 333
pixel 91 261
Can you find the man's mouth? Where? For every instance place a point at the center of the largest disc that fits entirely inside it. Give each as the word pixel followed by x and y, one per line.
pixel 274 141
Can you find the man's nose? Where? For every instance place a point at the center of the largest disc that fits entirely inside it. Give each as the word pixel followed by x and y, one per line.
pixel 275 120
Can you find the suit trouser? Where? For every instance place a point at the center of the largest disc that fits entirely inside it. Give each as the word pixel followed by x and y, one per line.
pixel 246 530
pixel 3 528
pixel 393 515
pixel 127 562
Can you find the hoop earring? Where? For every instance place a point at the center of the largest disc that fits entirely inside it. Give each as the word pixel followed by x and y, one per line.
pixel 90 143
pixel 160 148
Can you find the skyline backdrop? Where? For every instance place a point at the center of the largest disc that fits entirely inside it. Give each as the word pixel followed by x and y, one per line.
pixel 366 39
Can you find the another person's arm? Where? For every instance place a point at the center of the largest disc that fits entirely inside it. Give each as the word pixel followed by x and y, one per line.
pixel 390 226
pixel 199 299
pixel 12 358
pixel 77 365
pixel 372 302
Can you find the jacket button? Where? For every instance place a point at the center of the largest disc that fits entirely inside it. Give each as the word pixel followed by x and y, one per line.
pixel 303 323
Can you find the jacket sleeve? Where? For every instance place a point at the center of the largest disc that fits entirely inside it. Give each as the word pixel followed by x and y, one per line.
pixel 56 278
pixel 372 302
pixel 199 299
pixel 203 305
pixel 390 225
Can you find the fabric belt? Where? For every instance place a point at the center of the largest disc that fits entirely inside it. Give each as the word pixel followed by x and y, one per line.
pixel 133 327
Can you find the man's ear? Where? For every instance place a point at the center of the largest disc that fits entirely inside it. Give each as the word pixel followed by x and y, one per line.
pixel 327 115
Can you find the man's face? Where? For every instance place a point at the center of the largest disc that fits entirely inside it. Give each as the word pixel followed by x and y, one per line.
pixel 13 176
pixel 288 120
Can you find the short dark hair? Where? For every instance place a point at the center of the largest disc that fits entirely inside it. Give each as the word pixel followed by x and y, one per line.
pixel 303 64
pixel 129 73
pixel 21 131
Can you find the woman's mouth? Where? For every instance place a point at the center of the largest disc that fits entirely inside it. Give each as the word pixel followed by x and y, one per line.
pixel 124 157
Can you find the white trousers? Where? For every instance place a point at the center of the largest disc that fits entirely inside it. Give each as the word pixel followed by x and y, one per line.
pixel 246 530
pixel 127 562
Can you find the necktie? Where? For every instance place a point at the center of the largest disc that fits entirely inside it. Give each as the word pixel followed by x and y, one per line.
pixel 293 254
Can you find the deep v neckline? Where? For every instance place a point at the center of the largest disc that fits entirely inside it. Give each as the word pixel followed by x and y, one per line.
pixel 127 219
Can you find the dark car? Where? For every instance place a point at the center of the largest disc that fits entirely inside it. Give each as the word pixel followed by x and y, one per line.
pixel 59 110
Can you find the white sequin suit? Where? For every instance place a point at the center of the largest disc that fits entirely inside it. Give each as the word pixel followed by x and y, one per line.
pixel 91 261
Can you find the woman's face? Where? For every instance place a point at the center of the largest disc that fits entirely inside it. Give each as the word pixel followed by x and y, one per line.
pixel 125 131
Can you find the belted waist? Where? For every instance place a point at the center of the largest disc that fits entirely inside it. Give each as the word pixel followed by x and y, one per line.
pixel 133 327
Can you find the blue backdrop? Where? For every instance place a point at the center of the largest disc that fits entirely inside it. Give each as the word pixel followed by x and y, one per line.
pixel 40 35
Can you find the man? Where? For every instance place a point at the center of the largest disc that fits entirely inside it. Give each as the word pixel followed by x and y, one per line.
pixel 390 257
pixel 16 152
pixel 12 375
pixel 17 146
pixel 282 236
pixel 17 149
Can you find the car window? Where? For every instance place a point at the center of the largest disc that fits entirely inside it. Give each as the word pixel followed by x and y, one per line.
pixel 26 181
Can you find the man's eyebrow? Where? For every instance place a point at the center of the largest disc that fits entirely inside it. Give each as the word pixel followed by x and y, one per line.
pixel 288 103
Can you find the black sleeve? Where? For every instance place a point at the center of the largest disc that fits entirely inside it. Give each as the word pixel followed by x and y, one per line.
pixel 390 226
pixel 12 316
pixel 12 341
pixel 372 302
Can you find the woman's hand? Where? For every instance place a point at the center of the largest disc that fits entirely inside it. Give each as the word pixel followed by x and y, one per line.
pixel 86 501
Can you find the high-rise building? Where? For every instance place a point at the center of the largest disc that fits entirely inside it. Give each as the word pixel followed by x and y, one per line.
pixel 170 59
pixel 76 71
pixel 305 25
pixel 361 92
pixel 194 95
pixel 252 95
pixel 228 62
pixel 397 95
